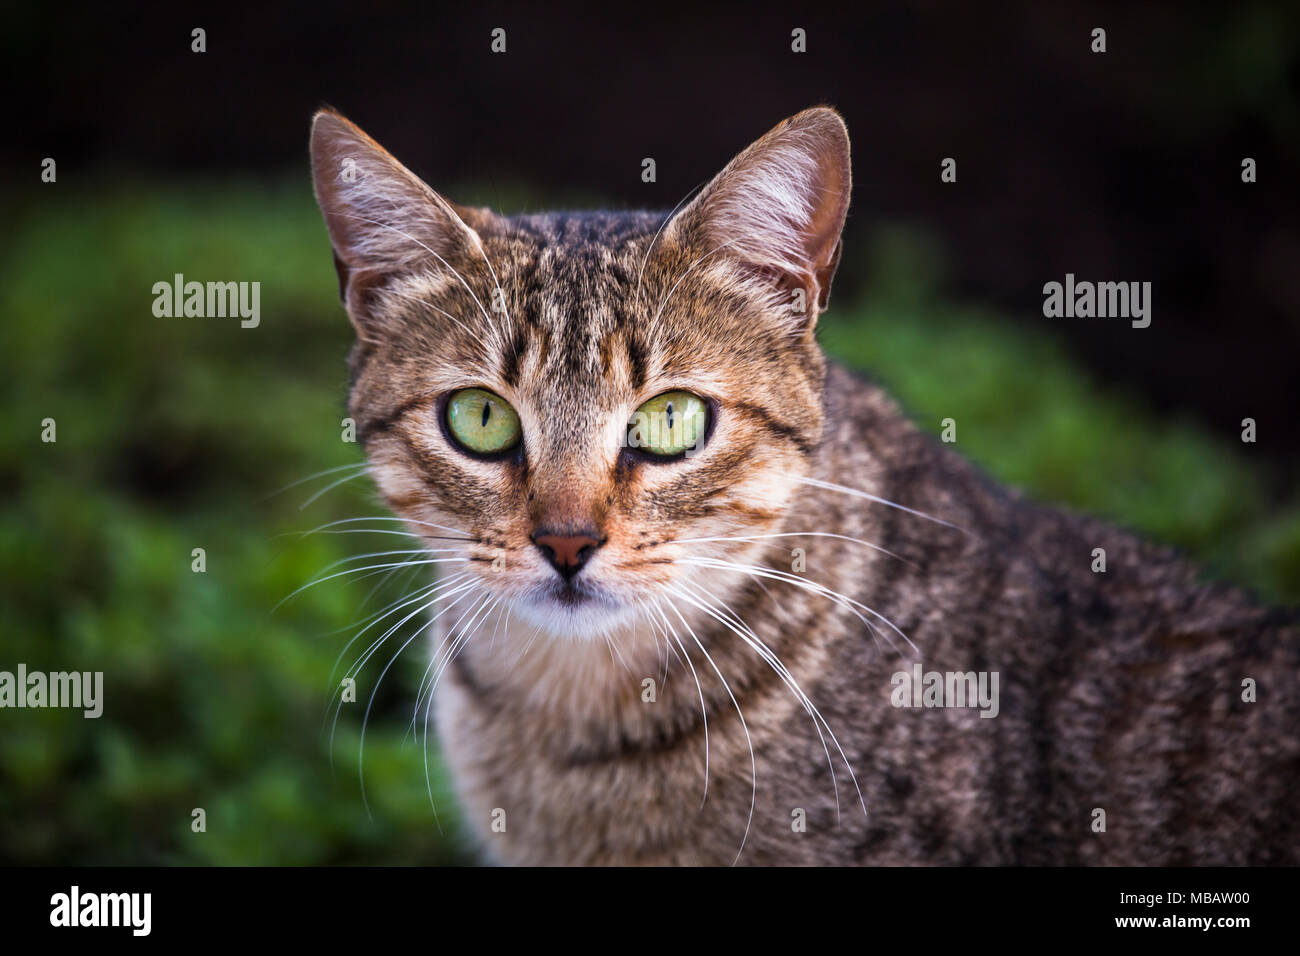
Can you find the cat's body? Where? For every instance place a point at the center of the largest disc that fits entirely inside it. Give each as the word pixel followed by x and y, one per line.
pixel 586 726
pixel 1120 691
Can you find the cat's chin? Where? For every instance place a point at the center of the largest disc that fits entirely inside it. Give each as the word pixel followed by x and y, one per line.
pixel 578 613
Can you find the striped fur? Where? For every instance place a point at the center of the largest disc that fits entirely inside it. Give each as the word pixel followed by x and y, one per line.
pixel 1119 691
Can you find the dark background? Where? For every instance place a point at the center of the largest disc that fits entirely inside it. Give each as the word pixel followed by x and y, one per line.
pixel 1122 166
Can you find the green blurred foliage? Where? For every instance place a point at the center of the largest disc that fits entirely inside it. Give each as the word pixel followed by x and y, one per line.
pixel 175 434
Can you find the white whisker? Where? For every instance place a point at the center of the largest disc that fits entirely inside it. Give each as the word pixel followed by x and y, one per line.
pixel 689 269
pixel 746 634
pixel 355 669
pixel 426 524
pixel 704 710
pixel 361 757
pixel 330 487
pixel 373 567
pixel 753 765
pixel 360 466
pixel 667 219
pixel 797 534
pixel 831 486
pixel 812 586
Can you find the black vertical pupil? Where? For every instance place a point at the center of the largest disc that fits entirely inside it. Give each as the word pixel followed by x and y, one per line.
pixel 487 413
pixel 670 416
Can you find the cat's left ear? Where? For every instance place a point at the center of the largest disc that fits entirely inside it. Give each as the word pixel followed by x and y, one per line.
pixel 776 211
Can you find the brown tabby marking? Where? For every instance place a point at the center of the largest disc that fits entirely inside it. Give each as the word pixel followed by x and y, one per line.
pixel 1119 691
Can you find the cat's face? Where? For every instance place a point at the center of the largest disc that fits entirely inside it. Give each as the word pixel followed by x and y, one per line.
pixel 565 405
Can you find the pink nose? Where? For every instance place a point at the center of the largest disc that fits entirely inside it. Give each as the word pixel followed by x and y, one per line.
pixel 566 552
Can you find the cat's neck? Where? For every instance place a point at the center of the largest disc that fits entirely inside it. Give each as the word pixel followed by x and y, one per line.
pixel 542 670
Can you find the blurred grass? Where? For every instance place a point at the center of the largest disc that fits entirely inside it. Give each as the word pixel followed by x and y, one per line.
pixel 173 432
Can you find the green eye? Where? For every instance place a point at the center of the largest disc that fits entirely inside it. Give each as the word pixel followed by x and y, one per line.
pixel 669 424
pixel 481 422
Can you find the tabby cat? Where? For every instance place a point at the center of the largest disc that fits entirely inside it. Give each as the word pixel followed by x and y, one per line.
pixel 689 567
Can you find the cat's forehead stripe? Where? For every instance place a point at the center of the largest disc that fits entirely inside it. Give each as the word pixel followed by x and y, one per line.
pixel 573 295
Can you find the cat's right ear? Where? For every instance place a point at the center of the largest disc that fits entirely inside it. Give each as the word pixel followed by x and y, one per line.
pixel 382 219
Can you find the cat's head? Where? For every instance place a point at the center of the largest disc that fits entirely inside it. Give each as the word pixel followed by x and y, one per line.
pixel 578 406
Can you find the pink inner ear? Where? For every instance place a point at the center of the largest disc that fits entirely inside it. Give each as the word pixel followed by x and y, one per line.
pixel 779 206
pixel 827 220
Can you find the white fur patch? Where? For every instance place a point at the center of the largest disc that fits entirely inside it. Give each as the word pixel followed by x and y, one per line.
pixel 764 213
